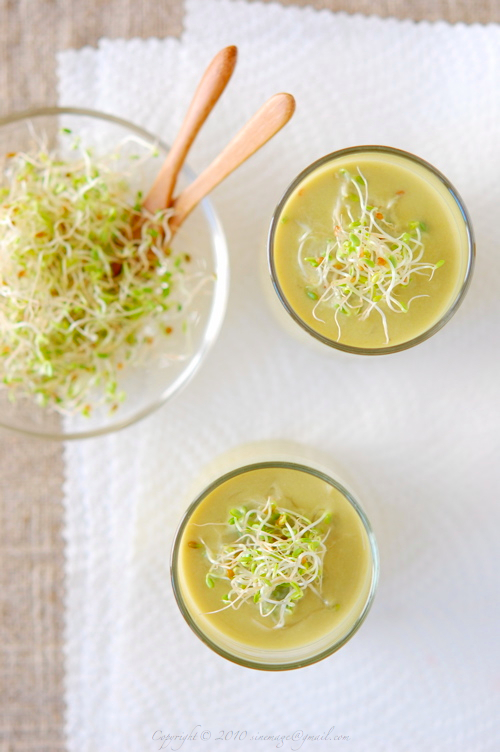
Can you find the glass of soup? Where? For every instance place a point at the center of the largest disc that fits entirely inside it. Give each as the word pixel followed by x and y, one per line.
pixel 275 565
pixel 370 250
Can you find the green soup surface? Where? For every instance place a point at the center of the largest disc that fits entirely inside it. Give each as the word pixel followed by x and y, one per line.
pixel 348 562
pixel 410 209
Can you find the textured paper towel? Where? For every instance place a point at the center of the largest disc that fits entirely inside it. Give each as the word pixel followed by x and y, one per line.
pixel 416 433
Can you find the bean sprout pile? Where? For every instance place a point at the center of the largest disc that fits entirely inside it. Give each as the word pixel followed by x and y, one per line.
pixel 367 261
pixel 275 557
pixel 87 278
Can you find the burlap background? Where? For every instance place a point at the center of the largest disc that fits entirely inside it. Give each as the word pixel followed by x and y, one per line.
pixel 31 514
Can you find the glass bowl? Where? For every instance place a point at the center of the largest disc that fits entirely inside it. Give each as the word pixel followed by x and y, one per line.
pixel 170 361
pixel 322 621
pixel 423 189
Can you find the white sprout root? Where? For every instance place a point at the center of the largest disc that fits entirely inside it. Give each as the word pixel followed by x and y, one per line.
pixel 368 259
pixel 86 278
pixel 275 557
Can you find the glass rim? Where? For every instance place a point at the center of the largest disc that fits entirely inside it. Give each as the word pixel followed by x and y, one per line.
pixel 454 305
pixel 291 664
pixel 221 289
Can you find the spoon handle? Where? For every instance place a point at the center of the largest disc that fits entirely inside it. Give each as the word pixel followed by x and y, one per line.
pixel 209 89
pixel 266 122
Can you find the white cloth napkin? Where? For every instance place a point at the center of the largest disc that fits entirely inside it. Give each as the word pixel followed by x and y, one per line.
pixel 417 434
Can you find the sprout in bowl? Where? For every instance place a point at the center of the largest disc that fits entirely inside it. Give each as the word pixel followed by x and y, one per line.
pixel 102 318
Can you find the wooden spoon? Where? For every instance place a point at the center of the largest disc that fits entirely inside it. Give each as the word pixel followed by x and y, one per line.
pixel 266 122
pixel 209 89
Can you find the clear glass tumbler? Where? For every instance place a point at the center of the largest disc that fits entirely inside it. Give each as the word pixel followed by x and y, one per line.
pixel 337 282
pixel 326 616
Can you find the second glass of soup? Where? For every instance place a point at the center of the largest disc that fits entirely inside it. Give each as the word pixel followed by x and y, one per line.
pixel 275 565
pixel 370 250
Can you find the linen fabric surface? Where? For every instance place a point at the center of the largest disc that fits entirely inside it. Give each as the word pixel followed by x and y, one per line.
pixel 415 433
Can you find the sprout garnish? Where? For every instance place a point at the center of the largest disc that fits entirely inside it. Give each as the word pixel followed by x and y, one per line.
pixel 87 279
pixel 368 259
pixel 276 555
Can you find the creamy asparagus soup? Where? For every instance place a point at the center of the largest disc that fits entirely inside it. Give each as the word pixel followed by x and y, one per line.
pixel 274 559
pixel 370 249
